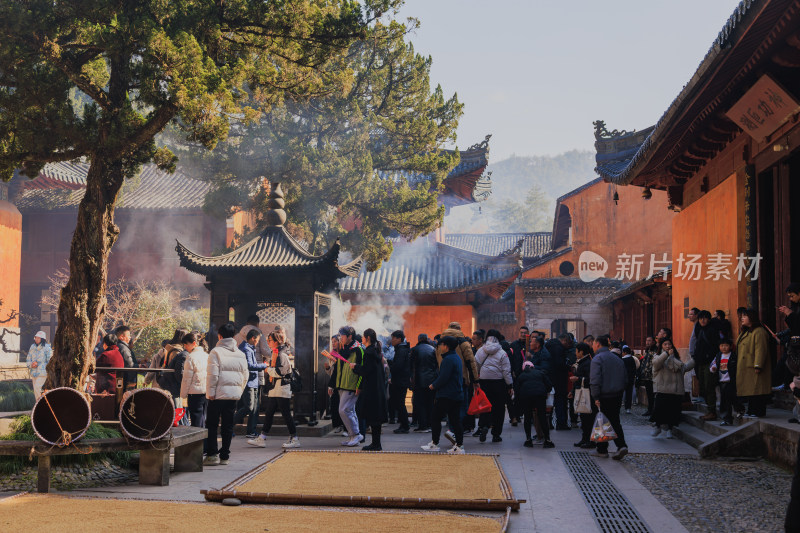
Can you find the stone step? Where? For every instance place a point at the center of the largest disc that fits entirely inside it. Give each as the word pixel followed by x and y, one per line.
pixel 691 435
pixel 712 428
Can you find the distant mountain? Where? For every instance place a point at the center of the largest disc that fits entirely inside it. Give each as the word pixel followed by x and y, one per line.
pixel 524 184
pixel 555 175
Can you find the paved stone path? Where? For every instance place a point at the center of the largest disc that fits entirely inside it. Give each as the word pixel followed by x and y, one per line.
pixel 554 503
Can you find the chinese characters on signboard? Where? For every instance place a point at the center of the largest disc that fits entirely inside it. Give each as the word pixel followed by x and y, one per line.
pixel 691 267
pixel 763 108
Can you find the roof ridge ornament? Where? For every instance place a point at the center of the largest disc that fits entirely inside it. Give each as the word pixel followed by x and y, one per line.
pixel 601 132
pixel 483 145
pixel 276 216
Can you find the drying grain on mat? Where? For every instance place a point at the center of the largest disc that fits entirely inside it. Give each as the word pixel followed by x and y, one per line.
pixel 48 513
pixel 396 475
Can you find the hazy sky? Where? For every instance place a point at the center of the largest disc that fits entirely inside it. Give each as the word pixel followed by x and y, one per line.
pixel 537 73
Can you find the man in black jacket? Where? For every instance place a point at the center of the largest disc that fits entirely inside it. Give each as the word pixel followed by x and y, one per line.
pixel 123 334
pixel 518 348
pixel 706 349
pixel 516 357
pixel 558 372
pixel 400 382
pixel 424 370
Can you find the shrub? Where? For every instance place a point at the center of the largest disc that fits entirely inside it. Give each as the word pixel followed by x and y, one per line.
pixel 16 396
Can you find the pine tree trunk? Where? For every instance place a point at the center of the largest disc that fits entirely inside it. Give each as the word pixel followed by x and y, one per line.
pixel 83 298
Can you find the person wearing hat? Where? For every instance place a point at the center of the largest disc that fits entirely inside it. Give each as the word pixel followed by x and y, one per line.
pixel 531 391
pixel 39 355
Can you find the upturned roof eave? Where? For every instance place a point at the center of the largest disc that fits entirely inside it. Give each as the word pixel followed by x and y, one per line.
pixel 742 16
pixel 218 264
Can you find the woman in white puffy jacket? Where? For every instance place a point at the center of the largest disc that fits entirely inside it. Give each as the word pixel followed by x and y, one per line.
pixel 495 373
pixel 193 384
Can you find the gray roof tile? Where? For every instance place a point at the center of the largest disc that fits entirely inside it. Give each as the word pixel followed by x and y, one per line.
pixel 493 244
pixel 573 284
pixel 436 269
pixel 151 189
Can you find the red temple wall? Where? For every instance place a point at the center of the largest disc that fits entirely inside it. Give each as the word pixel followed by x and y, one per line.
pixel 10 258
pixel 144 251
pixel 429 319
pixel 634 226
pixel 711 224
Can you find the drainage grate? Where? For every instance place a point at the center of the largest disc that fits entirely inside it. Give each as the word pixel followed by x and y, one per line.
pixel 611 510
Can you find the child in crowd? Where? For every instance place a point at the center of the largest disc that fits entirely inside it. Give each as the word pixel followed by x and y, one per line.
pixel 724 365
pixel 532 388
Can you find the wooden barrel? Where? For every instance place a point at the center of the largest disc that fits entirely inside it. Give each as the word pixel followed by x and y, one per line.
pixel 146 414
pixel 61 416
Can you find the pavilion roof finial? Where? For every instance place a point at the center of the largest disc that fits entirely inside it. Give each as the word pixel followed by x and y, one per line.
pixel 276 216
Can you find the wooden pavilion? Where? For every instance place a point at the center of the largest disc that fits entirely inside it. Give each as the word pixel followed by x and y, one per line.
pixel 276 278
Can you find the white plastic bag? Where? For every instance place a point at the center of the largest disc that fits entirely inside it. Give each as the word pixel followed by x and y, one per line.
pixel 602 431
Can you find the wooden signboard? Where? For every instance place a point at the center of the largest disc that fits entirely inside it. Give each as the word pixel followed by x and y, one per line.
pixel 763 108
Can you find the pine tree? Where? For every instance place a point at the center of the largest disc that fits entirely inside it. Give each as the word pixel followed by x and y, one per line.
pixel 364 163
pixel 97 80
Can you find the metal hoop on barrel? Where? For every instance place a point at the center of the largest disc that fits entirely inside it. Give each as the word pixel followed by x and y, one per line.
pixel 61 416
pixel 146 414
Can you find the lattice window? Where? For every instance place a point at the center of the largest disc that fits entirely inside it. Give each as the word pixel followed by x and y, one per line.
pixel 276 313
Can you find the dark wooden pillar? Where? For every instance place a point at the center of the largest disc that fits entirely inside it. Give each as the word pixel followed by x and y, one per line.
pixel 304 351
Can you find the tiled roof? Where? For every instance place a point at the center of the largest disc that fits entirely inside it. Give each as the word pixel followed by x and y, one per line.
pixel 735 53
pixel 531 262
pixel 575 191
pixel 436 269
pixel 630 288
pixel 571 284
pixel 474 157
pixel 61 186
pixel 493 244
pixel 274 248
pixel 467 183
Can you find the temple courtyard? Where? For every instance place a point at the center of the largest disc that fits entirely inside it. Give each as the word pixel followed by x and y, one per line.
pixel 661 486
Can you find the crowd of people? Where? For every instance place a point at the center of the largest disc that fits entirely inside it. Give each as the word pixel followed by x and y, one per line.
pixel 220 387
pixel 532 379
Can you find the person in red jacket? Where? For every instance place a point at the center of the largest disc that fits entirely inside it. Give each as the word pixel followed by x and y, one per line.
pixel 110 358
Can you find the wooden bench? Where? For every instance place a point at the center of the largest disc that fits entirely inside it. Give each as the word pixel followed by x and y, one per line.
pixel 153 456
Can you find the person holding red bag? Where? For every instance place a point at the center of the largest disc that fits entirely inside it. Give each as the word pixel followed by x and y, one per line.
pixel 449 396
pixel 495 379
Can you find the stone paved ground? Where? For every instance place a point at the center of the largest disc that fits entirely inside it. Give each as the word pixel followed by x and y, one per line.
pixel 715 495
pixel 655 470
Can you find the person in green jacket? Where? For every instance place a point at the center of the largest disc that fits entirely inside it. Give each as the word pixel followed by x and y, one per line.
pixel 348 383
